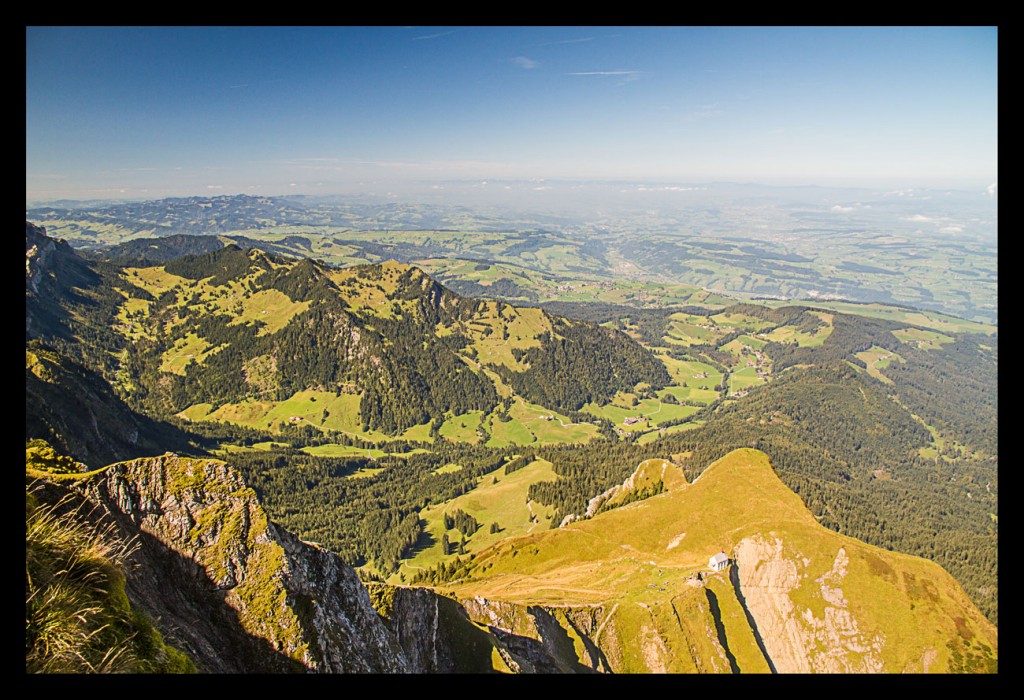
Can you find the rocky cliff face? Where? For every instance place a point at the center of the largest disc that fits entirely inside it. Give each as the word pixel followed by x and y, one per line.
pixel 230 588
pixel 829 642
pixel 52 271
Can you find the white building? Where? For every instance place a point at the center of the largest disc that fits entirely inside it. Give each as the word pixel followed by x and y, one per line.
pixel 718 562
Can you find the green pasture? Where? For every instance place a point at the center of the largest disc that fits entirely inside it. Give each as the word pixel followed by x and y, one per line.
pixel 738 321
pixel 303 408
pixel 271 307
pixel 154 280
pixel 686 329
pixel 929 319
pixel 127 313
pixel 495 337
pixel 185 350
pixel 789 334
pixel 742 379
pixel 463 427
pixel 535 425
pixel 926 340
pixel 512 432
pixel 877 359
pixel 651 411
pixel 344 451
pixel 660 432
pixel 687 371
pixel 498 497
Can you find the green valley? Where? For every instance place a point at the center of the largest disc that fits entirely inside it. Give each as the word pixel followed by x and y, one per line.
pixel 429 438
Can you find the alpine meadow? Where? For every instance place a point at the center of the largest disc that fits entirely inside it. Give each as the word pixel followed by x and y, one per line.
pixel 506 350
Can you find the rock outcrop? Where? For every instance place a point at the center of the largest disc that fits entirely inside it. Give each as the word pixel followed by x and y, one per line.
pixel 234 591
pixel 53 271
pixel 801 641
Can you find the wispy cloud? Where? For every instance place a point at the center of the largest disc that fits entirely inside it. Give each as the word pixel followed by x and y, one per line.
pixel 524 62
pixel 448 165
pixel 607 72
pixel 215 187
pixel 569 41
pixel 435 36
pixel 704 112
pixel 624 76
pixel 258 82
pixel 992 189
pixel 917 218
pixel 841 209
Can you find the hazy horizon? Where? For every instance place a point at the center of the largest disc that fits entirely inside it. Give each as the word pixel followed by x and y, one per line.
pixel 408 112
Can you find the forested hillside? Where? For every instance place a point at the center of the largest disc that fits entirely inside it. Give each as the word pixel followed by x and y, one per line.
pixel 354 398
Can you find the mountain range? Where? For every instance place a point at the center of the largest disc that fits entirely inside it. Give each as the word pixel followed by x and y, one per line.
pixel 220 353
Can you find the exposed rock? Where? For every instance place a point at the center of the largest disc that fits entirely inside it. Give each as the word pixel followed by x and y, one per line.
pixel 798 641
pixel 238 593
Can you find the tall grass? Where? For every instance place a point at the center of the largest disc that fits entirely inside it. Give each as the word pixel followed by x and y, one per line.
pixel 73 587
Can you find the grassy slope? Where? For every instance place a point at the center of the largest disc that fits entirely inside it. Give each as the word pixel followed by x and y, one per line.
pixel 624 556
pixel 500 498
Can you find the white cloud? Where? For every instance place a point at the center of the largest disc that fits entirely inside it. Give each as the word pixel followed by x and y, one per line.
pixel 951 229
pixel 607 72
pixel 435 36
pixel 524 62
pixel 215 187
pixel 916 217
pixel 992 189
pixel 844 210
pixel 569 41
pixel 704 112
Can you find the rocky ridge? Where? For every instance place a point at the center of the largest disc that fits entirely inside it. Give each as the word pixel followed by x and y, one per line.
pixel 230 588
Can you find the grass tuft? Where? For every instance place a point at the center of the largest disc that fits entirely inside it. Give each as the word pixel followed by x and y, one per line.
pixel 77 617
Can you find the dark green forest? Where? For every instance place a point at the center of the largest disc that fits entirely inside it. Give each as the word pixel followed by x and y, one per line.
pixel 579 363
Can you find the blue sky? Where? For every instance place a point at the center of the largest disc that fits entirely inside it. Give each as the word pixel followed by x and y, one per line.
pixel 152 112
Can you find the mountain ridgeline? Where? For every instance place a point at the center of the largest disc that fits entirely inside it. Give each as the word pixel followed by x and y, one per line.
pixel 490 451
pixel 409 347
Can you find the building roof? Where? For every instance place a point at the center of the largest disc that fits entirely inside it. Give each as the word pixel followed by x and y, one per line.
pixel 718 558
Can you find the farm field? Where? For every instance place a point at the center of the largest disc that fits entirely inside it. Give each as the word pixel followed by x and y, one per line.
pixel 877 359
pixel 929 319
pixel 321 409
pixel 650 412
pixel 498 498
pixel 531 424
pixel 691 380
pixel 788 334
pixel 926 340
